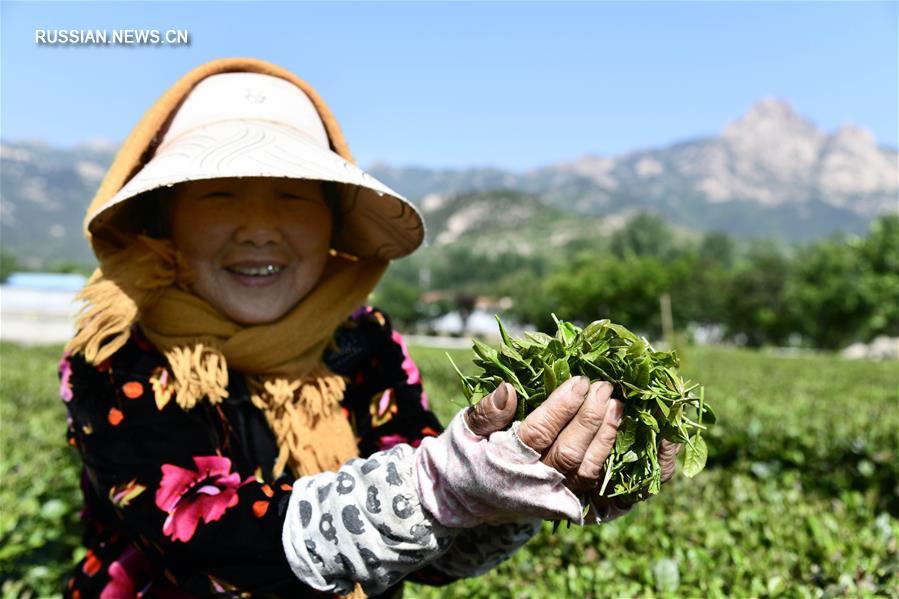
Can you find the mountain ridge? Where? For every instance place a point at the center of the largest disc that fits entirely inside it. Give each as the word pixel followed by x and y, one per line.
pixel 769 172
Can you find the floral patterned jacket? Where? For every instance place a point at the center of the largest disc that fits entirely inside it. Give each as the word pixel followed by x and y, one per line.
pixel 182 503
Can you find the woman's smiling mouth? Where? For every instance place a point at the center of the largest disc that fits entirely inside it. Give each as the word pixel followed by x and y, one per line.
pixel 255 274
pixel 255 271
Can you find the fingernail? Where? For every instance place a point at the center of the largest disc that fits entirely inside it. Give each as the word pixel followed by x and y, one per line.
pixel 581 382
pixel 617 408
pixel 599 387
pixel 500 396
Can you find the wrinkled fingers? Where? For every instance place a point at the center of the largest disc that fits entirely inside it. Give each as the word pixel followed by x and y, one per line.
pixel 494 412
pixel 668 458
pixel 591 469
pixel 568 451
pixel 541 427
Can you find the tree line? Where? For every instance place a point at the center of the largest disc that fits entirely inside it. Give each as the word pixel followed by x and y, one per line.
pixel 824 294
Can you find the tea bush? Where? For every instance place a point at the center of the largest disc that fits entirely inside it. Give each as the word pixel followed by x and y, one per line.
pixel 800 496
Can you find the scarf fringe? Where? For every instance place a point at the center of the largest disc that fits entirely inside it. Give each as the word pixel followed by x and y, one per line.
pixel 200 371
pixel 104 322
pixel 311 404
pixel 113 300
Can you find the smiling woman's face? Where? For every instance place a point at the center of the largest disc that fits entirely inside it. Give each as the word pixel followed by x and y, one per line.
pixel 257 245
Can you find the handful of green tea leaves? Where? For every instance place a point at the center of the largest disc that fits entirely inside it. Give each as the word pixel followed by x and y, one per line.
pixel 658 403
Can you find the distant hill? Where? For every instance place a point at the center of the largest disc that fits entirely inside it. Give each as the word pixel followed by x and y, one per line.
pixel 500 220
pixel 771 172
pixel 44 194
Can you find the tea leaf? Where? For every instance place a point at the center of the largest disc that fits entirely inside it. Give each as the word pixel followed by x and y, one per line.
pixel 485 351
pixel 641 376
pixel 629 457
pixel 661 403
pixel 708 414
pixel 549 379
pixel 561 371
pixel 649 420
pixel 465 384
pixel 626 435
pixel 695 454
pixel 502 332
pixel 541 339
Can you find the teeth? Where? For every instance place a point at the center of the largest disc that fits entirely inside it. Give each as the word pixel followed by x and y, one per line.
pixel 255 271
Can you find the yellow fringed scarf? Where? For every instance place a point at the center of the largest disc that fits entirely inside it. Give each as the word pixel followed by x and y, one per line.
pixel 147 282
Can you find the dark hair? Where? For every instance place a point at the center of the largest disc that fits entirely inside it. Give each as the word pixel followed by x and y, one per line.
pixel 147 213
pixel 333 193
pixel 162 200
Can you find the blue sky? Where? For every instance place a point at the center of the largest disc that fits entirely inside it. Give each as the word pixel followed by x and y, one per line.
pixel 511 85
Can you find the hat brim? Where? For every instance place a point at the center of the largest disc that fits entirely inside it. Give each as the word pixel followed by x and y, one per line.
pixel 376 220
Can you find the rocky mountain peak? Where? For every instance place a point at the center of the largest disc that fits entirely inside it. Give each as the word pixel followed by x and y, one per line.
pixel 853 138
pixel 770 119
pixel 853 165
pixel 598 168
pixel 774 143
pixel 771 108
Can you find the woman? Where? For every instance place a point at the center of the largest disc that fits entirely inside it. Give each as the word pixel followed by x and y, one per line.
pixel 248 425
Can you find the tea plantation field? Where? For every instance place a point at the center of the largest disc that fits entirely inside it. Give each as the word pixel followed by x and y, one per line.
pixel 800 497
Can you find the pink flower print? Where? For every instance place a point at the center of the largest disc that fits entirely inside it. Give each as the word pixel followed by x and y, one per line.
pixel 127 575
pixel 221 587
pixel 188 496
pixel 388 441
pixel 382 407
pixel 65 378
pixel 413 376
pixel 384 402
pixel 122 495
pixel 163 387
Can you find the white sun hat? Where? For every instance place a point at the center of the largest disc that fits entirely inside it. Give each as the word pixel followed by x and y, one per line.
pixel 249 124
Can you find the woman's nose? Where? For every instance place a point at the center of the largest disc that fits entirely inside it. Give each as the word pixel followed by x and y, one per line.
pixel 258 224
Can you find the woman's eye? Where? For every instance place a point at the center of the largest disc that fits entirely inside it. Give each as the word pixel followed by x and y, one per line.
pixel 215 195
pixel 300 200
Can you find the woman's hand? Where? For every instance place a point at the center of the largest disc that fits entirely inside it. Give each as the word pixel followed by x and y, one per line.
pixel 476 472
pixel 608 508
pixel 574 430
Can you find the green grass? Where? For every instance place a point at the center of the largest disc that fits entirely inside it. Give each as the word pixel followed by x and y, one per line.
pixel 800 497
pixel 40 496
